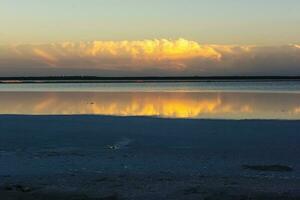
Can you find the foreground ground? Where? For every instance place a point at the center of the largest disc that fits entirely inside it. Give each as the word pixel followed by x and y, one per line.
pixel 95 157
pixel 158 186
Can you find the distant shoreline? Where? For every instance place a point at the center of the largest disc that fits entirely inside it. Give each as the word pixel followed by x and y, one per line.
pixel 96 79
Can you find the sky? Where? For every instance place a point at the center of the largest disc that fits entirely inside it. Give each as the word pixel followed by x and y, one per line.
pixel 138 37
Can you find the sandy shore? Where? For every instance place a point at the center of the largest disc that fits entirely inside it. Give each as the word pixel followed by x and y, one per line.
pixel 97 157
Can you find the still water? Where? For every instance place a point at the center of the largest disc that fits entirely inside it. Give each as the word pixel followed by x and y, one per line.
pixel 206 100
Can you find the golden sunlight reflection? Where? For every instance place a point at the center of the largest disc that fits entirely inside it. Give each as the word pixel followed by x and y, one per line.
pixel 169 105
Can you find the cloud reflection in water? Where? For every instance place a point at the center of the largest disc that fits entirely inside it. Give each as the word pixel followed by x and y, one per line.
pixel 169 105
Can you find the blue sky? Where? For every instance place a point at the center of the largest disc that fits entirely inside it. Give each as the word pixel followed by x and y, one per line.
pixel 259 22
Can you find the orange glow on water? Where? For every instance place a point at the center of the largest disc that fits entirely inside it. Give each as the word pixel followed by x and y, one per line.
pixel 169 105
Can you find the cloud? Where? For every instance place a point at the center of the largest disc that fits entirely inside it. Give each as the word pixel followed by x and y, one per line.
pixel 148 57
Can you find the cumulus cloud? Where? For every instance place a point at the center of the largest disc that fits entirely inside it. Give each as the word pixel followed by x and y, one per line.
pixel 148 57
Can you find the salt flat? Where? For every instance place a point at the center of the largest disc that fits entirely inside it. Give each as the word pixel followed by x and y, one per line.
pixel 147 158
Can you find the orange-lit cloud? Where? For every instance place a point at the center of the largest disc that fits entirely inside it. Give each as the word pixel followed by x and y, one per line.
pixel 114 54
pixel 148 57
pixel 45 56
pixel 295 110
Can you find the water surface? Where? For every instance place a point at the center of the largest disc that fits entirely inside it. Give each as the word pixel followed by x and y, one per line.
pixel 205 100
pixel 212 86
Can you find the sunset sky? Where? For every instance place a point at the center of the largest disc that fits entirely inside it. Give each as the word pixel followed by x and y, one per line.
pixel 137 37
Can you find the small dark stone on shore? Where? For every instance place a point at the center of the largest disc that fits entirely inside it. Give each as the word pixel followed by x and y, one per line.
pixel 8 188
pixel 17 187
pixel 23 188
pixel 271 168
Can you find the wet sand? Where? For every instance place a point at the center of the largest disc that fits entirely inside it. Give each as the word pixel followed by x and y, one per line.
pixel 98 157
